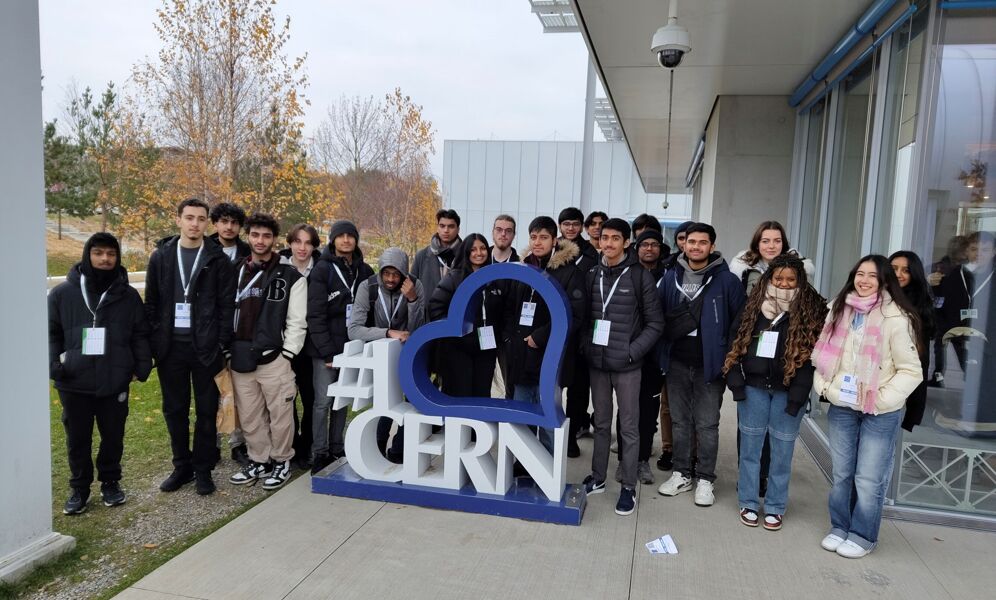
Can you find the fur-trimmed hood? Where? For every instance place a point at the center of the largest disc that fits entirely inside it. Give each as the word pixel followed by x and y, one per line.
pixel 564 252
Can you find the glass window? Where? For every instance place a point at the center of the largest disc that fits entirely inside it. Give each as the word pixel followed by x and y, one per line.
pixel 949 460
pixel 812 176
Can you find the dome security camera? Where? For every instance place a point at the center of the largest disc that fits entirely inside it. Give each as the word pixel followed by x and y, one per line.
pixel 670 43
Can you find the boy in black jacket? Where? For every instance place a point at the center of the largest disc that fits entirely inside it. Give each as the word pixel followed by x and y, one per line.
pixel 189 302
pixel 97 343
pixel 623 323
pixel 334 282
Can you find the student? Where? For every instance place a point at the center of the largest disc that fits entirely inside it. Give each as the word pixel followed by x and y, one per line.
pixel 593 226
pixel 335 281
pixel 644 222
pixel 270 327
pixel 228 220
pixel 570 221
pixel 503 235
pixel 625 320
pixel 97 344
pixel 189 303
pixel 769 240
pixel 700 298
pixel 909 272
pixel 665 461
pixel 867 365
pixel 302 253
pixel 390 304
pixel 470 360
pixel 434 261
pixel 949 264
pixel 770 374
pixel 965 293
pixel 527 318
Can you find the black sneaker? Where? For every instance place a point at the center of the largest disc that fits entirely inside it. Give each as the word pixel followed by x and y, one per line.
pixel 77 502
pixel 321 461
pixel 937 380
pixel 250 473
pixel 205 484
pixel 627 501
pixel 592 487
pixel 664 461
pixel 240 454
pixel 301 463
pixel 111 493
pixel 176 480
pixel 278 477
pixel 573 450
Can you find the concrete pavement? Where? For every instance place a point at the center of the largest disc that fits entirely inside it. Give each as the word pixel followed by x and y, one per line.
pixel 297 545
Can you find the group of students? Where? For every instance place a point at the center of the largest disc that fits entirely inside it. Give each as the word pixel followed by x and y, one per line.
pixel 659 336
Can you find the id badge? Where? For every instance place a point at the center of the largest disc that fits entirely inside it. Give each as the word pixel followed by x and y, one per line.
pixel 694 333
pixel 349 314
pixel 93 341
pixel 181 315
pixel 600 333
pixel 849 389
pixel 486 337
pixel 767 345
pixel 527 314
pixel 969 313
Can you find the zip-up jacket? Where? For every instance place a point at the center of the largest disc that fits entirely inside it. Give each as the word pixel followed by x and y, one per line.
pixel 723 299
pixel 769 373
pixel 431 261
pixel 285 258
pixel 587 256
pixel 242 249
pixel 328 297
pixel 634 312
pixel 212 296
pixel 126 341
pixel 523 361
pixel 491 294
pixel 282 321
pixel 370 319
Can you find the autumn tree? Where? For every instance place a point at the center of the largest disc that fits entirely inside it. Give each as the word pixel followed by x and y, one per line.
pixel 211 88
pixel 92 125
pixel 68 187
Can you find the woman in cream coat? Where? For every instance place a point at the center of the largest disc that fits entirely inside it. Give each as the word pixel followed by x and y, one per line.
pixel 867 364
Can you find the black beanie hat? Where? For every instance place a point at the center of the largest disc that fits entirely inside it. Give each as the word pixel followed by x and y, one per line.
pixel 617 224
pixel 99 280
pixel 681 229
pixel 570 213
pixel 650 234
pixel 343 226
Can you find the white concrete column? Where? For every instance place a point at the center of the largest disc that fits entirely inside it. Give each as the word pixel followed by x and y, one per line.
pixel 588 145
pixel 26 536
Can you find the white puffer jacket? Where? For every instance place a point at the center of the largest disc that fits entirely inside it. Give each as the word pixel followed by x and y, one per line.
pixel 899 372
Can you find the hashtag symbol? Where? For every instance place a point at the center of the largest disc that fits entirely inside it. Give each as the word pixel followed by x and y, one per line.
pixel 355 385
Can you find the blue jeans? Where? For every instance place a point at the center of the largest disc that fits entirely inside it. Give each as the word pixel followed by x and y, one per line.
pixel 763 411
pixel 863 448
pixel 530 393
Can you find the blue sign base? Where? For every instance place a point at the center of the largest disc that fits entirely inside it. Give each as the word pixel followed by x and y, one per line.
pixel 524 499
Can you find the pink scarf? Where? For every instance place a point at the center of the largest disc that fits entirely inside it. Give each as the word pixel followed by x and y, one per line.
pixel 829 347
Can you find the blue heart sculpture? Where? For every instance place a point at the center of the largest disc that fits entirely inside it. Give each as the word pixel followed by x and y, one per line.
pixel 459 321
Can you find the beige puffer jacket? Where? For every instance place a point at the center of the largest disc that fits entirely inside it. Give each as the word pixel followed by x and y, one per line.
pixel 900 371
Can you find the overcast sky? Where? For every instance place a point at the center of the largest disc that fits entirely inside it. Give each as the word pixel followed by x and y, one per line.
pixel 481 69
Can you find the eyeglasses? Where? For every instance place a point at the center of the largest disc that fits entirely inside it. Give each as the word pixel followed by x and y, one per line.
pixel 504 230
pixel 649 246
pixel 571 224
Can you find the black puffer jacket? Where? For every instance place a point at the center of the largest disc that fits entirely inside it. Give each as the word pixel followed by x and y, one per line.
pixel 587 257
pixel 439 306
pixel 634 311
pixel 212 294
pixel 769 373
pixel 524 362
pixel 327 300
pixel 126 342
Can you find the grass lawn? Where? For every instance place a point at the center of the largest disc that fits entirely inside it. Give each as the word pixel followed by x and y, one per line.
pixel 117 546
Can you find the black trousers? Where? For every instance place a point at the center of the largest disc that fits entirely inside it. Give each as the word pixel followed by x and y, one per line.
pixel 765 454
pixel 468 374
pixel 79 411
pixel 178 371
pixel 579 396
pixel 303 372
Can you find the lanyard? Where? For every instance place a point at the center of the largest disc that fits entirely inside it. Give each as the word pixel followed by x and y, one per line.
pixel 978 288
pixel 612 290
pixel 86 300
pixel 700 290
pixel 240 295
pixel 484 310
pixel 383 304
pixel 193 269
pixel 771 325
pixel 352 290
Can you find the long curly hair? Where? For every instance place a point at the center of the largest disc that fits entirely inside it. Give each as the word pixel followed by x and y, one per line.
pixel 806 315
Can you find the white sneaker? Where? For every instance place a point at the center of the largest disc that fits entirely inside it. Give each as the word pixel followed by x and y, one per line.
pixel 674 486
pixel 703 493
pixel 280 475
pixel 831 542
pixel 849 549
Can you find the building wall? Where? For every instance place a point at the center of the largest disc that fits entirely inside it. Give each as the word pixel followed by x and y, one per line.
pixel 482 179
pixel 747 167
pixel 25 496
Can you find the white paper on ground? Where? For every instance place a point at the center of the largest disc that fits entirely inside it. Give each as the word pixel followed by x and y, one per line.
pixel 662 545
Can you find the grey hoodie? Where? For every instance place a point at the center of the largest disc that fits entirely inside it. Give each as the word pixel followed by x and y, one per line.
pixel 692 280
pixel 409 317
